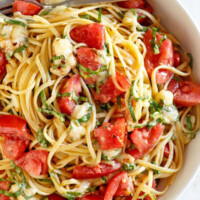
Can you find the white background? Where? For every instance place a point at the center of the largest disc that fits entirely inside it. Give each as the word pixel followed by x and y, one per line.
pixel 193 8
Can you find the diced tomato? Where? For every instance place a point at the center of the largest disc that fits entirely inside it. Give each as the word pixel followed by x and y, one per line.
pixel 14 126
pixel 72 85
pixel 4 197
pixel 34 162
pixel 164 57
pixel 125 187
pixel 3 63
pixel 166 150
pixel 144 140
pixel 118 186
pixel 111 136
pixel 177 59
pixel 109 91
pixel 89 59
pixel 186 93
pixel 91 34
pixel 132 4
pixel 142 4
pixel 4 185
pixel 102 169
pixel 55 197
pixel 26 8
pixel 13 147
pixel 90 197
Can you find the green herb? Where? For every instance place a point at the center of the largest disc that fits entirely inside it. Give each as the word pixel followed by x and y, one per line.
pixel 146 28
pixel 49 110
pixel 119 103
pixel 141 98
pixel 121 15
pixel 100 15
pixel 104 157
pixel 83 98
pixel 97 89
pixel 91 189
pixel 7 193
pixel 57 66
pixel 86 117
pixel 45 12
pixel 86 16
pixel 188 122
pixel 46 181
pixel 72 195
pixel 98 123
pixel 16 22
pixel 105 106
pixel 20 49
pixel 104 179
pixel 91 72
pixel 154 106
pixel 107 49
pixel 176 79
pixel 173 137
pixel 43 98
pixel 91 86
pixel 154 170
pixel 134 12
pixel 129 101
pixel 191 59
pixel 66 94
pixel 8 56
pixel 128 167
pixel 41 139
pixel 156 46
pixel 141 17
pixel 62 57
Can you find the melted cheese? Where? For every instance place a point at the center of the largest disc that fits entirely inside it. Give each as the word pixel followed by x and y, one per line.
pixel 126 158
pixel 130 18
pixel 112 153
pixel 80 110
pixel 165 96
pixel 170 114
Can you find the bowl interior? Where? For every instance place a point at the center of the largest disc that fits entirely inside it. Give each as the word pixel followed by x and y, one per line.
pixel 177 21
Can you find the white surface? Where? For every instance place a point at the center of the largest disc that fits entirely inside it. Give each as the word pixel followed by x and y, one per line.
pixel 193 7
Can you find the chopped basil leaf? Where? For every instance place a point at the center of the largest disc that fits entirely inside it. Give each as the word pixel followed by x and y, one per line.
pixel 67 94
pixel 45 180
pixel 154 170
pixel 16 22
pixel 191 59
pixel 121 15
pixel 45 12
pixel 176 79
pixel 100 15
pixel 43 98
pixel 105 106
pixel 83 98
pixel 62 57
pixel 86 16
pixel 134 12
pixel 8 56
pixel 98 123
pixel 129 101
pixel 97 89
pixel 119 103
pixel 141 17
pixel 41 139
pixel 141 98
pixel 72 195
pixel 91 189
pixel 107 49
pixel 86 117
pixel 57 66
pixel 188 122
pixel 154 106
pixel 104 179
pixel 128 167
pixel 49 110
pixel 20 49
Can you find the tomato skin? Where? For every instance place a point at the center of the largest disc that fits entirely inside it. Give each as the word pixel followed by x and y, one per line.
pixel 132 4
pixel 102 169
pixel 144 140
pixel 90 197
pixel 55 197
pixel 26 8
pixel 3 63
pixel 166 150
pixel 111 136
pixel 13 148
pixel 177 59
pixel 186 93
pixel 165 57
pixel 66 104
pixel 34 162
pixel 91 34
pixel 115 185
pixel 11 125
pixel 89 59
pixel 4 185
pixel 109 91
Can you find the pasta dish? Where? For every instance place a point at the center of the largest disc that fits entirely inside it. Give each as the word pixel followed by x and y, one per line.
pixel 97 103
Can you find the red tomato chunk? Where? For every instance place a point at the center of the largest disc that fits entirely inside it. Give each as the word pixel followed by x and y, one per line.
pixel 91 34
pixel 186 93
pixel 111 136
pixel 109 91
pixel 85 172
pixel 145 140
pixel 3 63
pixel 55 197
pixel 26 8
pixel 90 197
pixel 165 57
pixel 72 85
pixel 34 162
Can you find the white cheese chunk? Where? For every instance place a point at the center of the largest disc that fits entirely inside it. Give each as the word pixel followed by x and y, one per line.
pixel 165 96
pixel 111 154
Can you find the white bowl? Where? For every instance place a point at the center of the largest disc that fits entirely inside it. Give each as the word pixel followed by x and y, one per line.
pixel 178 22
